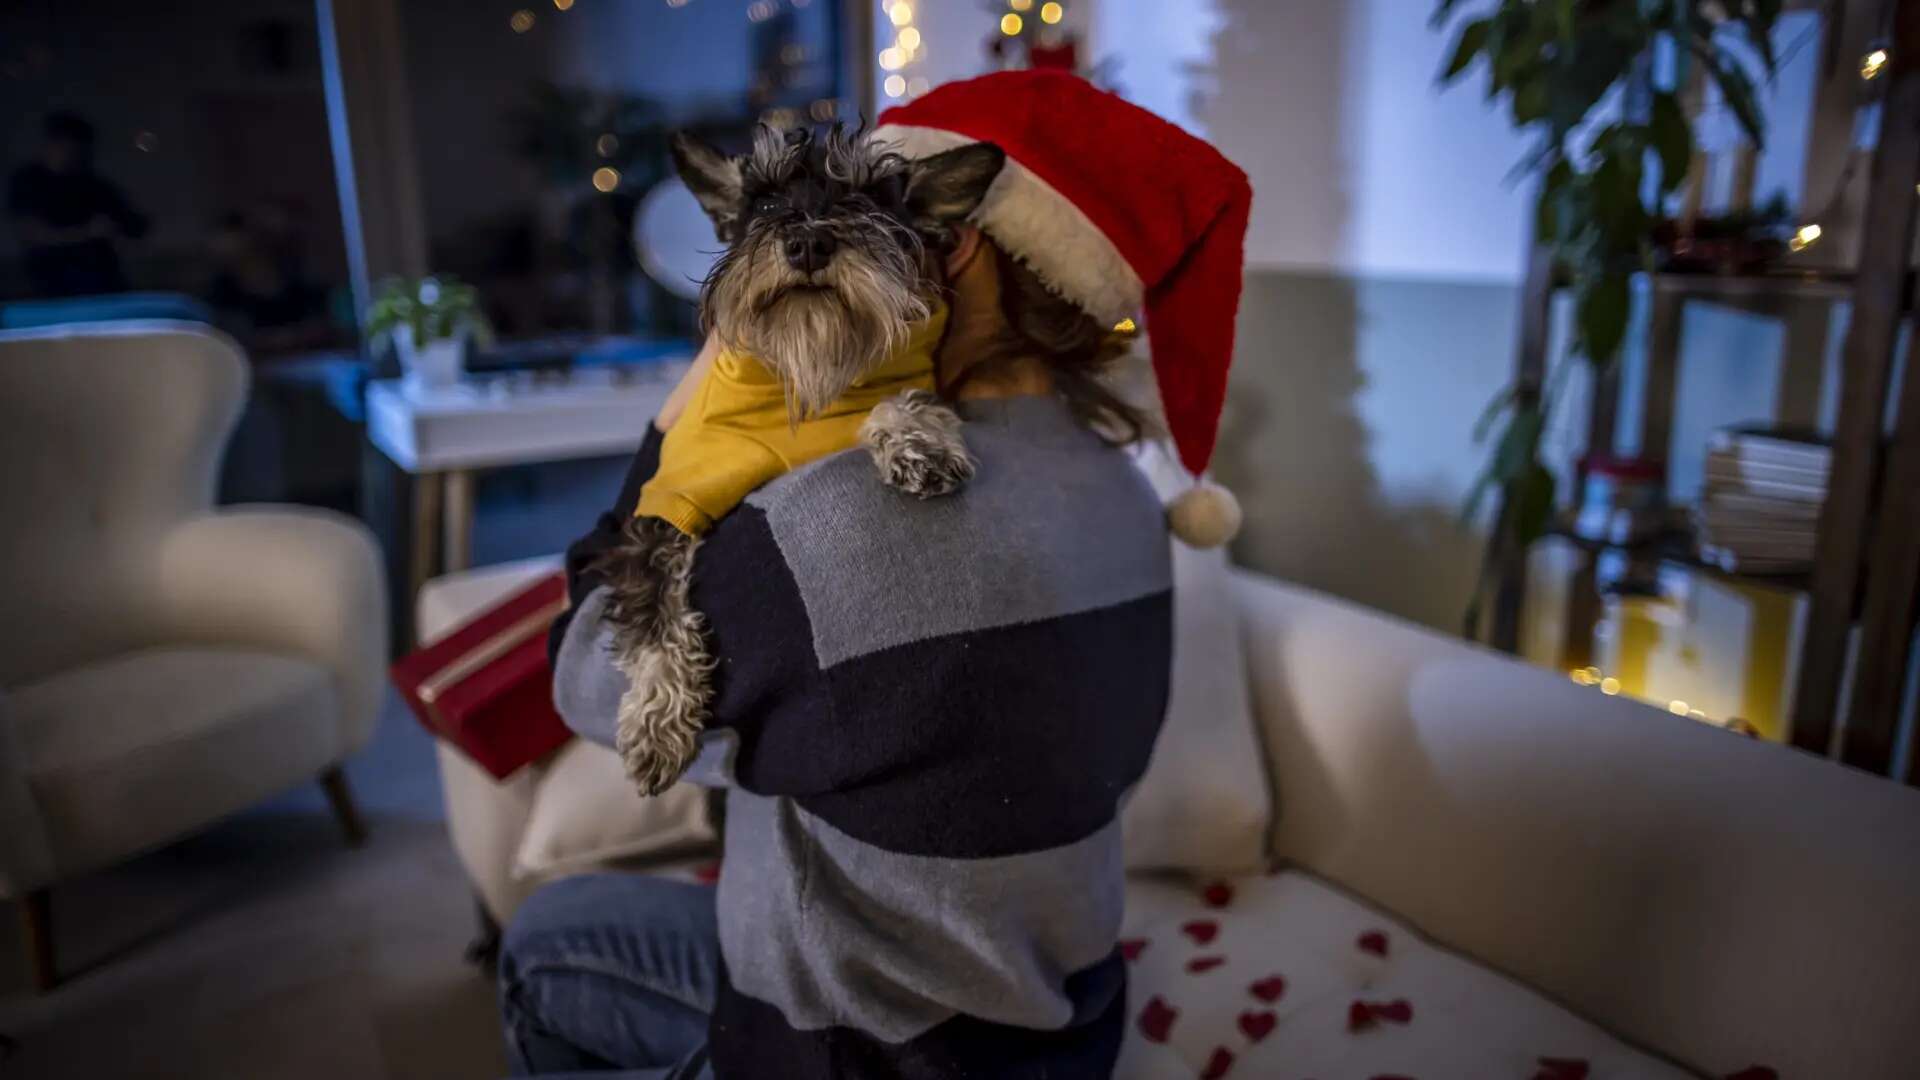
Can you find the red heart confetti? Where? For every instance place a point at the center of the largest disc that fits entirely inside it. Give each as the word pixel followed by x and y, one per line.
pixel 707 874
pixel 1372 941
pixel 1201 930
pixel 1202 964
pixel 1258 1025
pixel 1218 1064
pixel 1364 1014
pixel 1562 1069
pixel 1156 1020
pixel 1754 1072
pixel 1268 989
pixel 1131 948
pixel 1218 895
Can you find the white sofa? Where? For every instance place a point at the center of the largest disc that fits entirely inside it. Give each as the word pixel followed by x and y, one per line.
pixel 162 663
pixel 1663 897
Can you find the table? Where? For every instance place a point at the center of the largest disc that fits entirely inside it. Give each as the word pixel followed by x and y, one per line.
pixel 442 437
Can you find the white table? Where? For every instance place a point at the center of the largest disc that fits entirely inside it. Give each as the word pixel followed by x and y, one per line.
pixel 441 437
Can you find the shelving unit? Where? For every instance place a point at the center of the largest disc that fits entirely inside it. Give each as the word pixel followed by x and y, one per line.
pixel 1866 573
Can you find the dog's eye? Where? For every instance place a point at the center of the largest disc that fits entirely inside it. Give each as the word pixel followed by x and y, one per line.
pixel 766 204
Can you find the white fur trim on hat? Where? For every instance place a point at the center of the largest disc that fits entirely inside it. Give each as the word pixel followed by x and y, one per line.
pixel 1042 228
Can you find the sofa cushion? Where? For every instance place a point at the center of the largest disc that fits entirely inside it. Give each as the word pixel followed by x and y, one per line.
pixel 1285 977
pixel 136 749
pixel 1204 803
pixel 586 814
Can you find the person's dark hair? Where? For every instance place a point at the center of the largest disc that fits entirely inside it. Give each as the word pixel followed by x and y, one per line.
pixel 1076 349
pixel 68 127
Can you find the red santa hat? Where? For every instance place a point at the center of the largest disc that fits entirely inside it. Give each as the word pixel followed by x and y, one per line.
pixel 1126 216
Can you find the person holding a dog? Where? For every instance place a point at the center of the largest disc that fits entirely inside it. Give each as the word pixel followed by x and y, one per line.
pixel 925 711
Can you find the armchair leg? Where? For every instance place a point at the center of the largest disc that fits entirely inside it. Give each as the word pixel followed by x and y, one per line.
pixel 36 910
pixel 334 783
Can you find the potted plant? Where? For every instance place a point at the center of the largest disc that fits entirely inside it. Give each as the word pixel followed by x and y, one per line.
pixel 1613 144
pixel 429 320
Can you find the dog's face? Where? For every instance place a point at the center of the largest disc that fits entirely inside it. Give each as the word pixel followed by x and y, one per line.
pixel 831 244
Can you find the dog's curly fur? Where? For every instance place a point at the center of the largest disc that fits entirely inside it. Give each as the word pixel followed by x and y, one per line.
pixel 659 643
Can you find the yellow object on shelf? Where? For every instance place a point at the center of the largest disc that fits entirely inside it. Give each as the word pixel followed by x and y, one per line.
pixel 1703 646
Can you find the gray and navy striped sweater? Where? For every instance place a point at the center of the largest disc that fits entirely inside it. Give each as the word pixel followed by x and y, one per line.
pixel 927 713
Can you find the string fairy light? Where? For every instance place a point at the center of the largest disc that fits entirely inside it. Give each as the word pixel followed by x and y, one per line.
pixel 907 49
pixel 1872 64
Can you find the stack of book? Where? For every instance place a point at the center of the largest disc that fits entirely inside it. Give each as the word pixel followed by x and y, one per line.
pixel 1759 510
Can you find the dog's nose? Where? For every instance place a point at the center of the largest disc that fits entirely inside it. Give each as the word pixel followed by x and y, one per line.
pixel 809 250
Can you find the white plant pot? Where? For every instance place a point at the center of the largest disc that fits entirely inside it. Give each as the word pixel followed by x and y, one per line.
pixel 436 365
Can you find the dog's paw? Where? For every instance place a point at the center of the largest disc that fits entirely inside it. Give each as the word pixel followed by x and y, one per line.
pixel 915 442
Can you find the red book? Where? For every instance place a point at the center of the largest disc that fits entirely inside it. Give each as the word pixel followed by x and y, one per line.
pixel 487 688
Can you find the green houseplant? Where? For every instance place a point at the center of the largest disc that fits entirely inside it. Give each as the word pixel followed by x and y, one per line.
pixel 1612 143
pixel 429 321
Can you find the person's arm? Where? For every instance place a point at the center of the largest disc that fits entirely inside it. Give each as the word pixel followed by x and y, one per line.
pixel 114 206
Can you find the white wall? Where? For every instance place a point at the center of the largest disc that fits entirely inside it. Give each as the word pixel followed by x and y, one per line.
pixel 1359 166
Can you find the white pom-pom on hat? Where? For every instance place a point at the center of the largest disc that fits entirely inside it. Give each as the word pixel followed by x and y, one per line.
pixel 1205 515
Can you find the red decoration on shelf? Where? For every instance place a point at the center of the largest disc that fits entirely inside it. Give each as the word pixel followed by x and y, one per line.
pixel 1373 941
pixel 1218 895
pixel 1156 1019
pixel 1202 964
pixel 1131 948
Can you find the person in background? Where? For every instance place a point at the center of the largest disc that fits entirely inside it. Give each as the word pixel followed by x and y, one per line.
pixel 260 289
pixel 70 218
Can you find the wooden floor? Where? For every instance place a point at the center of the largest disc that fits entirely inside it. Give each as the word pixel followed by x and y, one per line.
pixel 266 947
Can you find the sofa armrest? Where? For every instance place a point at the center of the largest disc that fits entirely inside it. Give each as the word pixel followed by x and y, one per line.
pixel 26 860
pixel 1723 900
pixel 287 579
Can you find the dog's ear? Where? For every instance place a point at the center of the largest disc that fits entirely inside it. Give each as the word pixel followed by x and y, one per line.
pixel 943 189
pixel 714 179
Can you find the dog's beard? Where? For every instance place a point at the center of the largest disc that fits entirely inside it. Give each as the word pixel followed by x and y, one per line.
pixel 820 333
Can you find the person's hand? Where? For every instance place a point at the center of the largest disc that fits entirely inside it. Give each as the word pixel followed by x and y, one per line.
pixel 683 393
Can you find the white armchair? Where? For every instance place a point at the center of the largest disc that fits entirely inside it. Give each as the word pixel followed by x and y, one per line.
pixel 162 663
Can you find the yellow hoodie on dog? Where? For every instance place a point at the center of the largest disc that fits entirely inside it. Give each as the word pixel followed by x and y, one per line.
pixel 736 436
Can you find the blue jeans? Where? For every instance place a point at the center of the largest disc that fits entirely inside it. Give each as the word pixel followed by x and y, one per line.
pixel 611 972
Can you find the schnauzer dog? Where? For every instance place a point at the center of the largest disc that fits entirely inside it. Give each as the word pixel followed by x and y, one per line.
pixel 832 249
